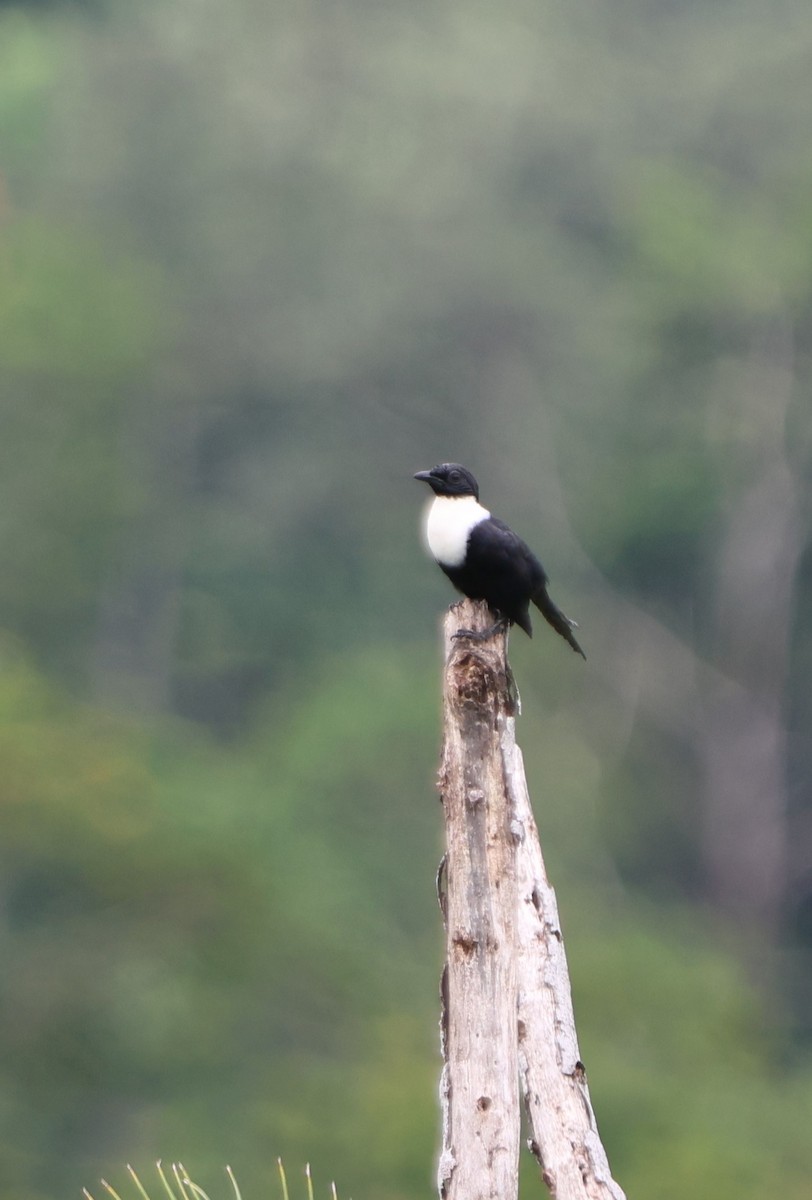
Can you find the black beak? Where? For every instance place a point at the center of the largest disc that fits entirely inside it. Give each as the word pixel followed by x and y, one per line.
pixel 426 476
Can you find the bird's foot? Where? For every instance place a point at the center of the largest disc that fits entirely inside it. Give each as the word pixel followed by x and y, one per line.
pixel 480 635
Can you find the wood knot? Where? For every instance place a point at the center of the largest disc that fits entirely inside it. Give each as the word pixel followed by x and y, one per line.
pixel 465 942
pixel 474 682
pixel 484 1103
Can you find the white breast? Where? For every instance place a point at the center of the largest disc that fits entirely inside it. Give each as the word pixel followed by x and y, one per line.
pixel 449 521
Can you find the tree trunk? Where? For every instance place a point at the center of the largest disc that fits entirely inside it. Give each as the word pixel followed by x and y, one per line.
pixel 133 658
pixel 507 1009
pixel 565 1137
pixel 481 1116
pixel 746 844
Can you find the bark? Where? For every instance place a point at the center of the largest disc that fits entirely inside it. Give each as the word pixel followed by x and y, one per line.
pixel 507 1008
pixel 481 1114
pixel 565 1138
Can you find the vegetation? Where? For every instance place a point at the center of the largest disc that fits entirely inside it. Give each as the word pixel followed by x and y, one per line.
pixel 260 263
pixel 175 1184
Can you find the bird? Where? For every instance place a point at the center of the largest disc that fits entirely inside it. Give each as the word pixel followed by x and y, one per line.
pixel 484 558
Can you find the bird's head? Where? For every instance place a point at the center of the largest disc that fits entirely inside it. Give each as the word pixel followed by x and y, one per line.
pixel 450 479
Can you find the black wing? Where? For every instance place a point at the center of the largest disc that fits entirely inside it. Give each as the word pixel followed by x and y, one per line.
pixel 501 569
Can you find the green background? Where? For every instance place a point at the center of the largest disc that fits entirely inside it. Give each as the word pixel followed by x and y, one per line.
pixel 259 262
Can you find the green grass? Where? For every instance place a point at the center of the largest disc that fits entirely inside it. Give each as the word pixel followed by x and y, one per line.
pixel 175 1184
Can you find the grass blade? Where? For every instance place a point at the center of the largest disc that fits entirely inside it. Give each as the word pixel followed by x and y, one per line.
pixel 169 1190
pixel 282 1176
pixel 138 1183
pixel 230 1174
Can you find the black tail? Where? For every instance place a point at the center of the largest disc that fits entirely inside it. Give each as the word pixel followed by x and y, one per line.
pixel 554 616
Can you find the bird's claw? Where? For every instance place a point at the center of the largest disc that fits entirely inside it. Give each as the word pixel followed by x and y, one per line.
pixel 471 635
pixel 479 635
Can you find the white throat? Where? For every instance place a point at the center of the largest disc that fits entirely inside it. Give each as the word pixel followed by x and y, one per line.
pixel 449 522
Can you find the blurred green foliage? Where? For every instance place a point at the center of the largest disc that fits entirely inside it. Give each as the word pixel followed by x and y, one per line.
pixel 258 263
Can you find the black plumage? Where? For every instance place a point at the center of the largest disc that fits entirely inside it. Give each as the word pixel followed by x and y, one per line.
pixel 484 558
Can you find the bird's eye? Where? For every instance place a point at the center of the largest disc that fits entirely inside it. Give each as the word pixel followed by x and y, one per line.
pixel 454 476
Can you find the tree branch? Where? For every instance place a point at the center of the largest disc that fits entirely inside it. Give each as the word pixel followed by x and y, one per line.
pixel 565 1138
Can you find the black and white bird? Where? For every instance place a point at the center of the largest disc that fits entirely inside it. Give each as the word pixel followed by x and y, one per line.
pixel 484 558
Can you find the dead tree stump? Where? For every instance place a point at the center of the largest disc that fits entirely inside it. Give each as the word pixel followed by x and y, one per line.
pixel 507 1024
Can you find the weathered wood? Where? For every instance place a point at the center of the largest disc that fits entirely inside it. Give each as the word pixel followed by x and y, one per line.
pixel 565 1138
pixel 479 1095
pixel 507 1006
